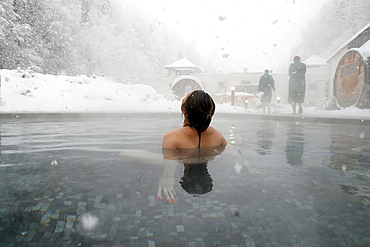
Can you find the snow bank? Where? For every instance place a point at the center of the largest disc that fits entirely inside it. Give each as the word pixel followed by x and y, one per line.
pixel 31 92
pixel 25 91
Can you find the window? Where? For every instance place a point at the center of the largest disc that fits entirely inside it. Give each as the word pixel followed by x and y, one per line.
pixel 350 69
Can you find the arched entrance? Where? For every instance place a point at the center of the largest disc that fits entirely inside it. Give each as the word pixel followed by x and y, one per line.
pixel 183 85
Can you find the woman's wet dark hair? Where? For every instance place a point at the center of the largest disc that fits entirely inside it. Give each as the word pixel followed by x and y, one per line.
pixel 200 108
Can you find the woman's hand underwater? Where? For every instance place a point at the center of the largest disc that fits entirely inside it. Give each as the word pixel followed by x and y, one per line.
pixel 166 185
pixel 254 171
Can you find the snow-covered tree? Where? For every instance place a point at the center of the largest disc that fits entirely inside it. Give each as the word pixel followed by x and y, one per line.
pixel 336 22
pixel 15 37
pixel 88 37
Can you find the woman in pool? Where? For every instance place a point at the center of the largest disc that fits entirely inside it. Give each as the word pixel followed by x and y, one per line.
pixel 198 108
pixel 194 145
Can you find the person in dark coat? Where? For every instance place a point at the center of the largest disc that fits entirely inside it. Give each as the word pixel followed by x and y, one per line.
pixel 297 84
pixel 265 85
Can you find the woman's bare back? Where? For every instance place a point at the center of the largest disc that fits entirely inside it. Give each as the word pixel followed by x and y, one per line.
pixel 188 137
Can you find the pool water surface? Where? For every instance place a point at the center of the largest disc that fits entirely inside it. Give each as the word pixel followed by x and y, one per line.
pixel 63 183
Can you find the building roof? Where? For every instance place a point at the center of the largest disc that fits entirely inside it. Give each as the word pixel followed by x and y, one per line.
pixel 364 50
pixel 355 44
pixel 315 60
pixel 182 63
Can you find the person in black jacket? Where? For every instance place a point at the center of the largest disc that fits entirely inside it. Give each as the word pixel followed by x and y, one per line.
pixel 297 84
pixel 265 85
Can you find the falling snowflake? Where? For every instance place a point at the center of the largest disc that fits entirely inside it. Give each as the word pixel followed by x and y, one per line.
pixel 89 222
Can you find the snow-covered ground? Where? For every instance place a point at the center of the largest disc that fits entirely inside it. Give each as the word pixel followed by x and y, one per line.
pixel 23 91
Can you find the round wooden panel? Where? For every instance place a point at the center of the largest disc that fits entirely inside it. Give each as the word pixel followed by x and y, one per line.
pixel 349 79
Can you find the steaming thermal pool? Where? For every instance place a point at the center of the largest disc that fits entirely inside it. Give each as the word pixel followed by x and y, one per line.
pixel 63 184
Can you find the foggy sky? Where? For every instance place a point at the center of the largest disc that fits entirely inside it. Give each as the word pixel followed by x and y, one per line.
pixel 254 35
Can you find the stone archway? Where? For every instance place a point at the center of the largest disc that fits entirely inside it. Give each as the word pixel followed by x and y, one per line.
pixel 183 85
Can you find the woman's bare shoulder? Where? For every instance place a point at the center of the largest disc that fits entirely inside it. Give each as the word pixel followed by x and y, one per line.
pixel 214 131
pixel 171 139
pixel 217 134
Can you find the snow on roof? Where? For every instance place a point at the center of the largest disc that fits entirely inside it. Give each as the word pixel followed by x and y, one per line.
pixel 315 60
pixel 346 43
pixel 182 63
pixel 364 50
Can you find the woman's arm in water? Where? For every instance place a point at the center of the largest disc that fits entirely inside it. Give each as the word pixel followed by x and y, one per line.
pixel 143 156
pixel 167 160
pixel 167 181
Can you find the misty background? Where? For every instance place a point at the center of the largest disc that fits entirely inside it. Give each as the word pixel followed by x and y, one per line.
pixel 122 41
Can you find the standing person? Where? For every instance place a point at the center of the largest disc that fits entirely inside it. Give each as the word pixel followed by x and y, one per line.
pixel 297 84
pixel 265 84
